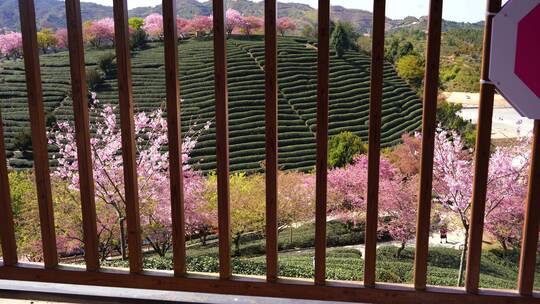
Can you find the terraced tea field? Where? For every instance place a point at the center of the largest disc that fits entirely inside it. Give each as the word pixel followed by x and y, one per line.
pixel 349 98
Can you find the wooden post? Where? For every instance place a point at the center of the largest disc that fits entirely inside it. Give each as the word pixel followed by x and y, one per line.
pixel 82 133
pixel 222 140
pixel 481 159
pixel 271 118
pixel 374 140
pixel 323 70
pixel 7 231
pixel 121 33
pixel 39 135
pixel 431 87
pixel 529 243
pixel 170 38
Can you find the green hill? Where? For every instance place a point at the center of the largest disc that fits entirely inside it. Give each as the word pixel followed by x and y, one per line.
pixel 349 98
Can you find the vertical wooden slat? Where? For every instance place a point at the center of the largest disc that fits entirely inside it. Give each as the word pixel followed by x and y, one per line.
pixel 7 231
pixel 222 139
pixel 374 139
pixel 271 110
pixel 82 133
pixel 39 136
pixel 529 243
pixel 170 39
pixel 431 82
pixel 483 143
pixel 121 33
pixel 323 69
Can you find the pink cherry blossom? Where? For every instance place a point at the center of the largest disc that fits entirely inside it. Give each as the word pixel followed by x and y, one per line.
pixel 251 24
pixel 99 32
pixel 11 44
pixel 233 20
pixel 285 24
pixel 61 38
pixel 201 25
pixel 153 25
pixel 152 169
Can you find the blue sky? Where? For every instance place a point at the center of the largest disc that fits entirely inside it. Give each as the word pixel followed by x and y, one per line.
pixel 456 10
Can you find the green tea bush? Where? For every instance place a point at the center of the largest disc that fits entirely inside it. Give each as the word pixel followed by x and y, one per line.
pixel 342 149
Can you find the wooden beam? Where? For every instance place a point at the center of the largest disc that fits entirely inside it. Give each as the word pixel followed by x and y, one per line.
pixel 431 87
pixel 529 242
pixel 170 38
pixel 222 139
pixel 82 133
pixel 125 94
pixel 7 231
pixel 374 140
pixel 257 286
pixel 323 70
pixel 481 159
pixel 38 128
pixel 271 119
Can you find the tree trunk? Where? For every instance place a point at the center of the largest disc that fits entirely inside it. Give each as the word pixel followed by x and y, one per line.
pixel 122 238
pixel 237 244
pixel 463 255
pixel 400 249
pixel 291 235
pixel 204 237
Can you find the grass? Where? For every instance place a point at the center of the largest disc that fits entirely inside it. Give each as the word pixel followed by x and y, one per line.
pixel 498 269
pixel 297 62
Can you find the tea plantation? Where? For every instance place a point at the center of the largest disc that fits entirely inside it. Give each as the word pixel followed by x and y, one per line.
pixel 499 269
pixel 349 98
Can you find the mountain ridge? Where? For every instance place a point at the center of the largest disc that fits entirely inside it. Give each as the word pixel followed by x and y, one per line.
pixel 51 13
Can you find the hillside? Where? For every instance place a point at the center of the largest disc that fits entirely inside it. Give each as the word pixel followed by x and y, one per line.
pixel 349 98
pixel 51 13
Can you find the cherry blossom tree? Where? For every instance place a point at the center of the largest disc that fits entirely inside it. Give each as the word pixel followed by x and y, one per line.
pixel 251 24
pixel 233 20
pixel 285 24
pixel 99 33
pixel 348 187
pixel 201 25
pixel 152 170
pixel 182 26
pixel 61 38
pixel 153 26
pixel 296 199
pixel 11 44
pixel 398 208
pixel 453 179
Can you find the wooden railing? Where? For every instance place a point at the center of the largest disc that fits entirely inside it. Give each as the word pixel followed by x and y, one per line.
pixel 180 280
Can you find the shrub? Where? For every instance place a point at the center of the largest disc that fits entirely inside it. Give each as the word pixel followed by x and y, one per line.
pixel 93 78
pixel 138 39
pixel 105 63
pixel 23 143
pixel 411 68
pixel 343 147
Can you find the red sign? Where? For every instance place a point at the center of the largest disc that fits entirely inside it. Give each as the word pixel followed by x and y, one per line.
pixel 515 55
